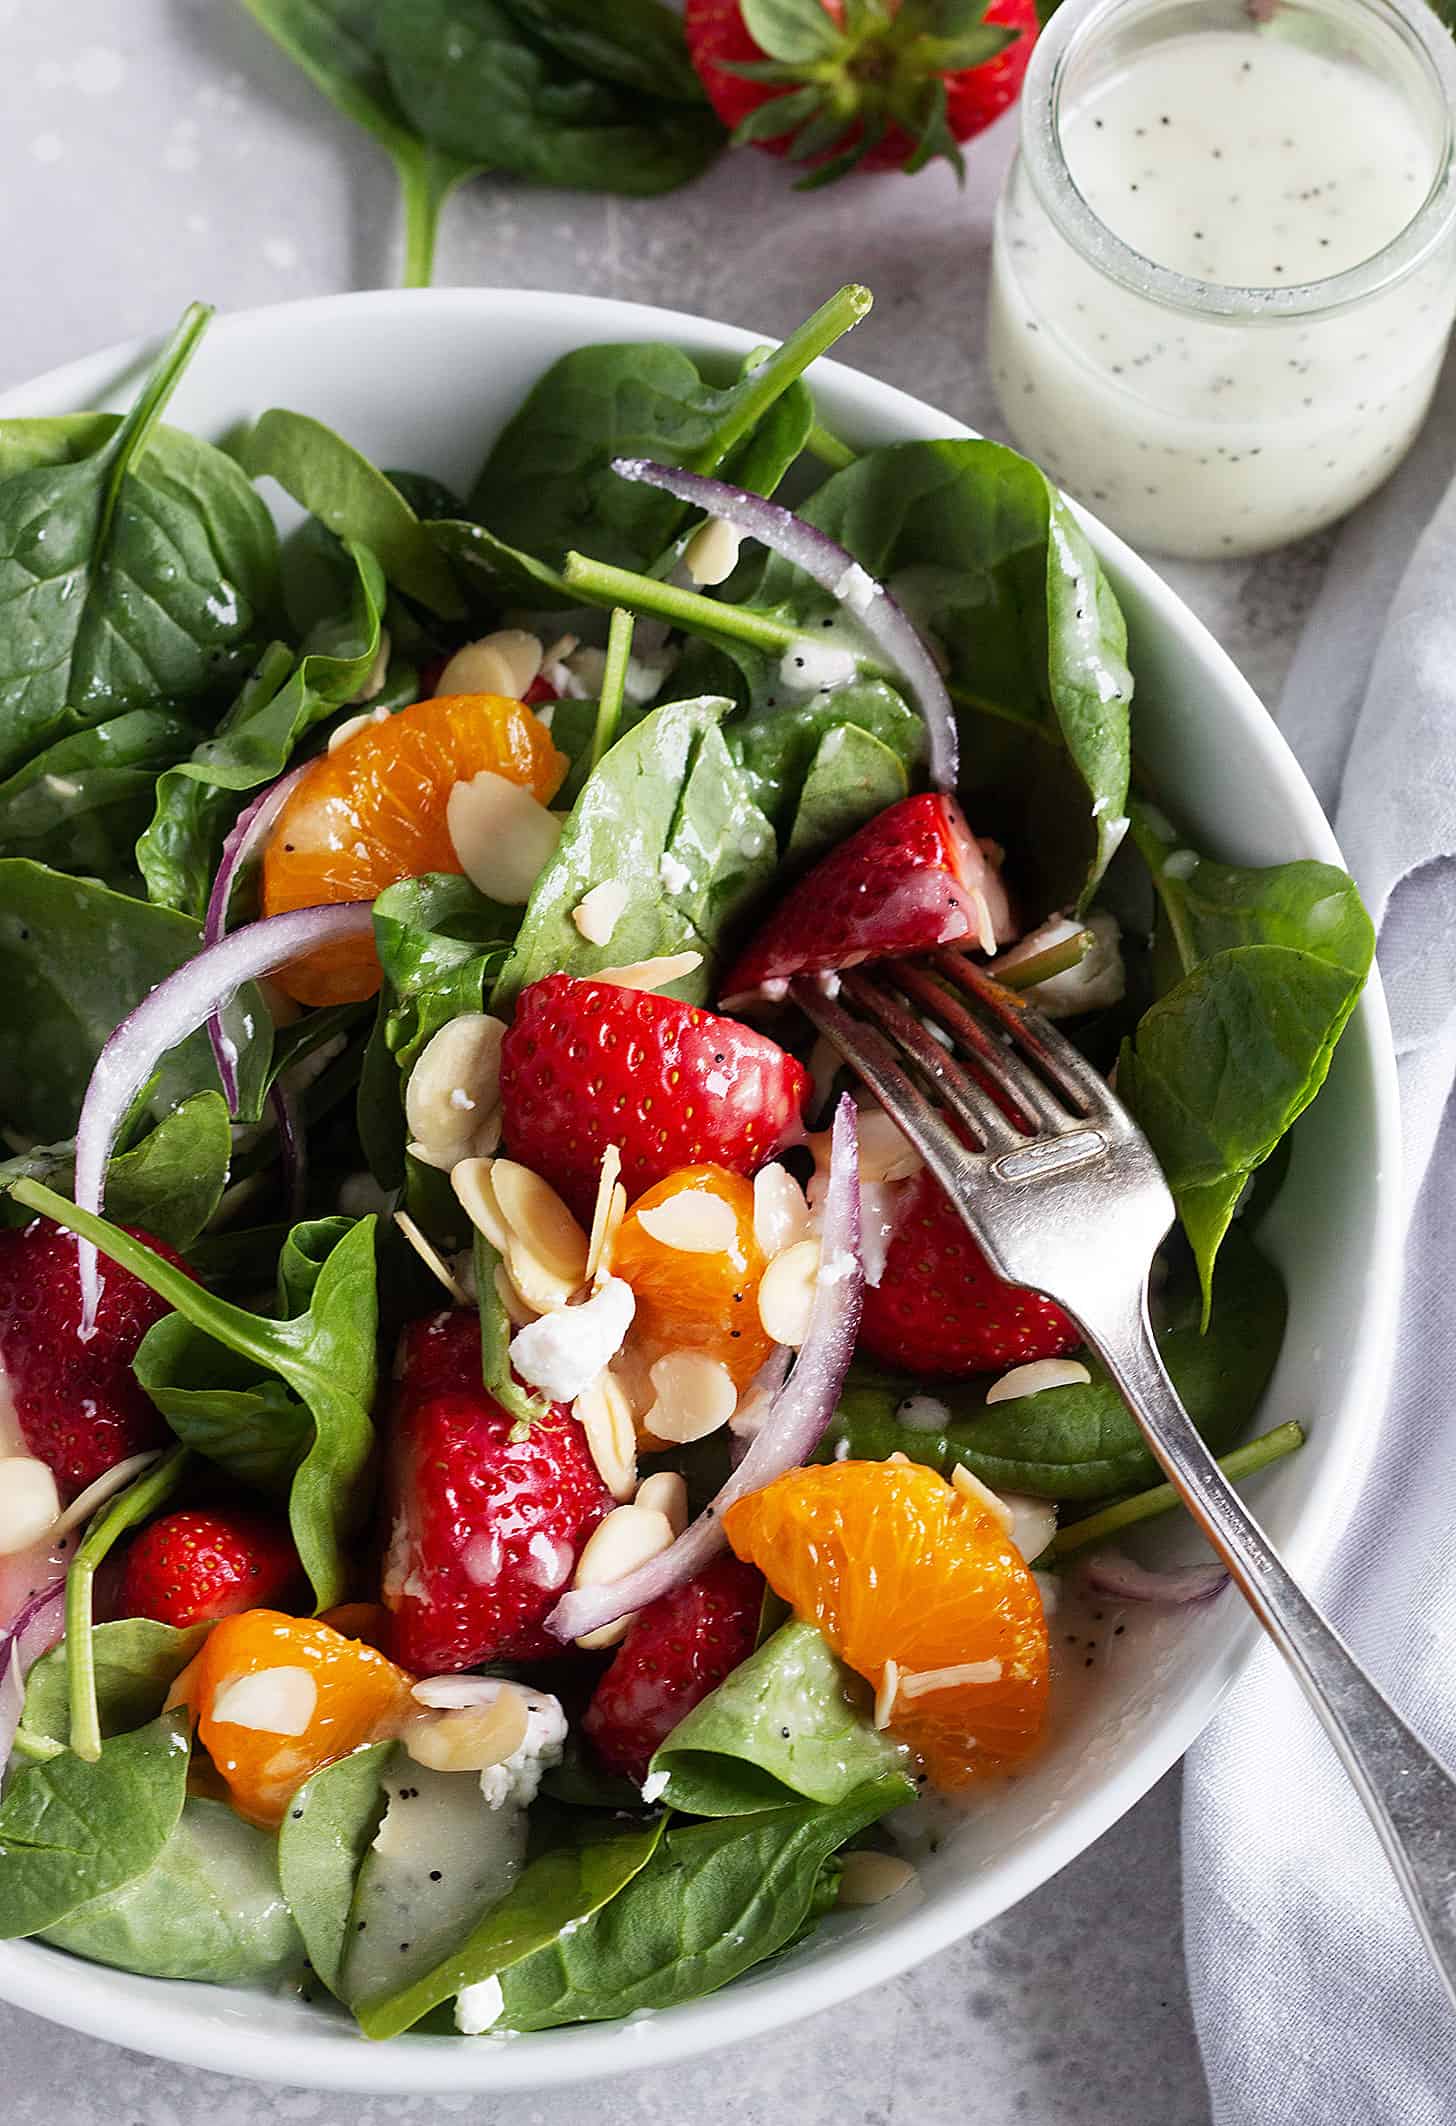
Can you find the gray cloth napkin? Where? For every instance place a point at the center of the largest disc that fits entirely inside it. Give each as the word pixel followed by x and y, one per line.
pixel 1314 2002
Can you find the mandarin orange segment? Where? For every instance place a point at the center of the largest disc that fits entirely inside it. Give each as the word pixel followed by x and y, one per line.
pixel 894 1564
pixel 700 1297
pixel 373 811
pixel 327 1694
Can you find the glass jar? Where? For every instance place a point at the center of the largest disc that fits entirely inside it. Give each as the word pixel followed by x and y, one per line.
pixel 1224 393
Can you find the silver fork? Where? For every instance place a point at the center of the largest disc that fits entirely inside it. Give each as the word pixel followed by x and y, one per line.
pixel 1069 1199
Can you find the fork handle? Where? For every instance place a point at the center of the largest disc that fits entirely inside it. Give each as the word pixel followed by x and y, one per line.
pixel 1408 1793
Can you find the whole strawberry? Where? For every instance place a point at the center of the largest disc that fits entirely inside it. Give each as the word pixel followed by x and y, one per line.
pixel 78 1404
pixel 911 878
pixel 940 1308
pixel 676 1650
pixel 587 1064
pixel 485 1527
pixel 204 1563
pixel 842 85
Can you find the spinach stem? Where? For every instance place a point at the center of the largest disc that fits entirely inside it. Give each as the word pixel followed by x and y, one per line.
pixel 1056 959
pixel 773 376
pixel 614 683
pixel 1162 1498
pixel 150 1490
pixel 130 439
pixel 826 446
pixel 713 617
pixel 426 180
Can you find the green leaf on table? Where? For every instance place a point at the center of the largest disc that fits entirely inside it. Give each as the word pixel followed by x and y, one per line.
pixel 75 958
pixel 714 1899
pixel 638 43
pixel 1080 1442
pixel 170 1183
pixel 322 1841
pixel 136 1662
pixel 851 778
pixel 72 1830
pixel 209 1907
pixel 80 805
pixel 134 565
pixel 791 1723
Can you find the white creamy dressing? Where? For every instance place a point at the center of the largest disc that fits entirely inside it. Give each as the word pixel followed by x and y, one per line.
pixel 1243 159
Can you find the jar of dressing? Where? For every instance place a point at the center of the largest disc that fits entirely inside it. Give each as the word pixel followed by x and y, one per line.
pixel 1225 267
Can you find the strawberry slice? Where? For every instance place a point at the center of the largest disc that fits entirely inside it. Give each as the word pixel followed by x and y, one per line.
pixel 79 1406
pixel 913 877
pixel 587 1064
pixel 676 1650
pixel 209 1562
pixel 940 1308
pixel 485 1527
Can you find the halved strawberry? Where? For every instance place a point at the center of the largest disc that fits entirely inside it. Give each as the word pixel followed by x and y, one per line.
pixel 485 1527
pixel 587 1064
pixel 676 1650
pixel 79 1405
pixel 940 1308
pixel 207 1562
pixel 913 877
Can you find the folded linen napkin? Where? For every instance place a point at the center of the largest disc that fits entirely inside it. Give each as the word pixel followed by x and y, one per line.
pixel 1314 2001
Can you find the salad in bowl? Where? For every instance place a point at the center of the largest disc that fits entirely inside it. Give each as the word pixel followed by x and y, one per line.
pixel 516 1482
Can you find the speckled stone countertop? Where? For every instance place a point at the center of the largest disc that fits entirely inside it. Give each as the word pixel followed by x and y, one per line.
pixel 163 150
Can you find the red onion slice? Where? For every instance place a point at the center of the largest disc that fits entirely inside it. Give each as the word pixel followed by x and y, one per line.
pixel 32 1633
pixel 242 838
pixel 835 570
pixel 1111 1573
pixel 175 1008
pixel 796 1420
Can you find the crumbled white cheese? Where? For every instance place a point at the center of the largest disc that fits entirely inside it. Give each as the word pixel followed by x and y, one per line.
pixel 654 1786
pixel 478 2007
pixel 565 1350
pixel 809 667
pixel 857 589
pixel 516 1782
pixel 674 875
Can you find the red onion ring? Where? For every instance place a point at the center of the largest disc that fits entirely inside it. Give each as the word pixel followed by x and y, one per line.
pixel 175 1008
pixel 242 838
pixel 835 570
pixel 33 1632
pixel 797 1417
pixel 1111 1573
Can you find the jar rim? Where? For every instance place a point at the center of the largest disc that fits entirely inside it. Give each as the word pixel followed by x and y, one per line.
pixel 1077 23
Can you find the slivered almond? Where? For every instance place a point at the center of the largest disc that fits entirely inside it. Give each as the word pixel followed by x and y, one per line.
pixel 693 1222
pixel 694 1395
pixel 616 1212
pixel 432 1259
pixel 970 1486
pixel 786 1293
pixel 501 836
pixel 471 1738
pixel 651 974
pixel 886 1694
pixel 598 912
pixel 605 1416
pixel 665 1492
pixel 869 1878
pixel 924 1682
pixel 780 1214
pixel 627 1538
pixel 602 1209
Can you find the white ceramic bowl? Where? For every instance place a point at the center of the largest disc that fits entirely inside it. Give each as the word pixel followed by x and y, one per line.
pixel 423 380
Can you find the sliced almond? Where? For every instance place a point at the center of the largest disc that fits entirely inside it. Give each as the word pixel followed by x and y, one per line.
pixel 627 1538
pixel 780 1214
pixel 786 1293
pixel 969 1485
pixel 602 1209
pixel 454 1088
pixel 605 1415
pixel 475 1193
pixel 886 1695
pixel 694 1222
pixel 1034 1379
pixel 432 1259
pixel 632 1371
pixel 885 1152
pixel 519 1310
pixel 272 1701
pixel 1033 1523
pixel 353 725
pixel 540 1286
pixel 470 1738
pixel 503 663
pixel 501 836
pixel 536 1215
pixel 373 681
pixel 598 912
pixel 711 555
pixel 870 1878
pixel 694 1395
pixel 665 1492
pixel 924 1682
pixel 651 974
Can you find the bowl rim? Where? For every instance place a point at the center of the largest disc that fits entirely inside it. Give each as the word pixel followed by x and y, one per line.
pixel 91 2001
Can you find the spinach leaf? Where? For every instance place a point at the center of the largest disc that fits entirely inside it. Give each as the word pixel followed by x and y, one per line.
pixel 495 573
pixel 1080 1442
pixel 71 1830
pixel 334 42
pixel 471 81
pixel 209 1907
pixel 358 504
pixel 778 744
pixel 196 802
pixel 715 1899
pixel 638 43
pixel 851 778
pixel 80 805
pixel 170 1184
pixel 560 1889
pixel 668 799
pixel 324 1353
pixel 322 1841
pixel 136 1663
pixel 548 486
pixel 131 574
pixel 75 958
pixel 1227 1059
pixel 791 1723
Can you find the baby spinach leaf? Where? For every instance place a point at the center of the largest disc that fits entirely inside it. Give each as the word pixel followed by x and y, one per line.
pixel 715 1899
pixel 338 485
pixel 80 805
pixel 791 1723
pixel 561 1888
pixel 325 1354
pixel 668 801
pixel 71 1830
pixel 851 778
pixel 334 42
pixel 170 1184
pixel 1080 1442
pixel 209 1907
pixel 777 744
pixel 1147 1505
pixel 322 1841
pixel 496 573
pixel 135 1660
pixel 638 43
pixel 132 573
pixel 75 958
pixel 196 802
